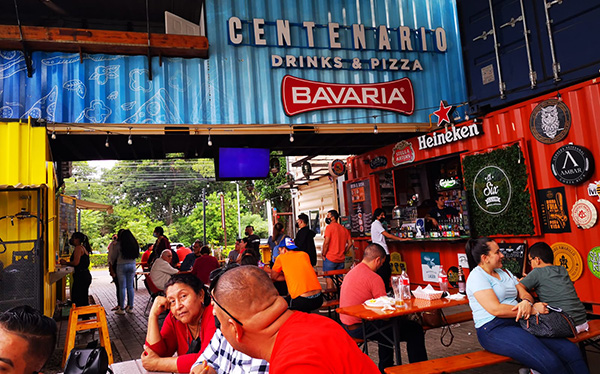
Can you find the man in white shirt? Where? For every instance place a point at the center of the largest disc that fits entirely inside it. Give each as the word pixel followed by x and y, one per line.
pixel 162 270
pixel 378 236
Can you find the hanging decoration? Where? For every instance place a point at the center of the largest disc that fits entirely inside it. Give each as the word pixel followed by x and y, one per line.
pixel 337 168
pixel 553 210
pixel 306 169
pixel 567 256
pixel 594 261
pixel 290 179
pixel 584 214
pixel 572 164
pixel 274 166
pixel 550 121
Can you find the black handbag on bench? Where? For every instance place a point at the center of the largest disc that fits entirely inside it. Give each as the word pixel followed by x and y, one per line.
pixel 555 324
pixel 87 361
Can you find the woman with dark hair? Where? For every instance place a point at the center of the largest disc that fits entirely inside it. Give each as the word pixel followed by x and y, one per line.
pixel 498 301
pixel 187 329
pixel 125 252
pixel 80 260
pixel 275 239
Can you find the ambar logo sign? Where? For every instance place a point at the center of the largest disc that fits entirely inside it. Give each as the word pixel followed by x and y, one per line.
pixel 492 190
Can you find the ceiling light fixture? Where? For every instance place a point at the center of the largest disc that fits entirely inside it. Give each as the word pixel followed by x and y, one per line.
pixel 106 144
pixel 209 139
pixel 375 130
pixel 129 140
pixel 291 135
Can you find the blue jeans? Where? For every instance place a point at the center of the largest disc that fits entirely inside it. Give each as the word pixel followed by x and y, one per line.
pixel 330 265
pixel 126 275
pixel 504 336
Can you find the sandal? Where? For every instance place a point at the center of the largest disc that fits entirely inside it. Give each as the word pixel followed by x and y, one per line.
pixel 115 308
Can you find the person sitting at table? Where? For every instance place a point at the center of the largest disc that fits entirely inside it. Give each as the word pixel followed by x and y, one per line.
pixel 191 257
pixel 493 295
pixel 182 253
pixel 256 321
pixel 27 340
pixel 363 283
pixel 235 252
pixel 219 357
pixel 204 265
pixel 162 270
pixel 187 329
pixel 293 266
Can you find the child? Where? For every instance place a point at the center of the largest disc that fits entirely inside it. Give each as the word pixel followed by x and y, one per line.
pixel 553 285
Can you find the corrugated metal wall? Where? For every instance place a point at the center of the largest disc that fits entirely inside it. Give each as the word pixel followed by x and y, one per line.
pixel 236 85
pixel 511 124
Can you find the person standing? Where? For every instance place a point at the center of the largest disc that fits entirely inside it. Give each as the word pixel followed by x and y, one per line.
pixel 337 241
pixel 191 257
pixel 162 243
pixel 125 254
pixel 441 211
pixel 253 239
pixel 378 236
pixel 275 239
pixel 112 269
pixel 305 238
pixel 361 284
pixel 80 260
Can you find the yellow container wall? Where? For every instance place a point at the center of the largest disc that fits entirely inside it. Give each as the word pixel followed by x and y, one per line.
pixel 25 160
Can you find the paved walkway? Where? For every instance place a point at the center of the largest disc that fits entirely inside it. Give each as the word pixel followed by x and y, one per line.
pixel 128 332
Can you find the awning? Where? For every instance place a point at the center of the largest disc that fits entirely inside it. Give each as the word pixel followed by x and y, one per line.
pixel 89 205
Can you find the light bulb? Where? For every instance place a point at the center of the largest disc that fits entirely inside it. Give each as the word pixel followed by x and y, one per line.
pixel 53 135
pixel 375 131
pixel 106 144
pixel 466 117
pixel 129 141
pixel 209 141
pixel 291 138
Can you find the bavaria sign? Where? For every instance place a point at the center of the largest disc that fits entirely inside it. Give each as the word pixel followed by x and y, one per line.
pixel 301 95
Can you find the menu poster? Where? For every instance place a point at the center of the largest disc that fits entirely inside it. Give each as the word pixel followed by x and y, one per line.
pixel 358 195
pixel 430 265
pixel 552 206
pixel 515 255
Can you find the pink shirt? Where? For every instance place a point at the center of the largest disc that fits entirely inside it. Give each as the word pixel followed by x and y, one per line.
pixel 359 285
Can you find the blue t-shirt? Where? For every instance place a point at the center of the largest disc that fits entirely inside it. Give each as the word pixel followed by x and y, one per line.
pixel 505 289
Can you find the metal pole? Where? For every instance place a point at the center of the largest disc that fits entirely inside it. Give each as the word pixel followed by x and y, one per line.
pixel 237 187
pixel 204 212
pixel 555 64
pixel 79 212
pixel 532 76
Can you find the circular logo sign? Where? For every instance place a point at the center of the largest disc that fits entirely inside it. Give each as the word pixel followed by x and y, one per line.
pixel 550 121
pixel 337 168
pixel 572 164
pixel 584 214
pixel 594 261
pixel 566 255
pixel 492 190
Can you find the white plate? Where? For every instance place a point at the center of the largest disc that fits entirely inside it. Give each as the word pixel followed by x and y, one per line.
pixel 379 302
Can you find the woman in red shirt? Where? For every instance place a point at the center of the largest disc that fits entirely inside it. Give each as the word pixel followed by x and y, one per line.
pixel 187 329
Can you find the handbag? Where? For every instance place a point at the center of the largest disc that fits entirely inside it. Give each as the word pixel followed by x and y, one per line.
pixel 87 361
pixel 554 324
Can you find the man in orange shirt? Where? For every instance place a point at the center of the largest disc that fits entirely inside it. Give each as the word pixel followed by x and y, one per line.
pixel 337 241
pixel 293 266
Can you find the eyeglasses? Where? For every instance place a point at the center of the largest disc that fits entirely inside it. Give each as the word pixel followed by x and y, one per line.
pixel 214 279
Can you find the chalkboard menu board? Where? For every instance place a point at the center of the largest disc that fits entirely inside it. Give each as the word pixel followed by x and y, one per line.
pixel 515 255
pixel 358 195
pixel 67 222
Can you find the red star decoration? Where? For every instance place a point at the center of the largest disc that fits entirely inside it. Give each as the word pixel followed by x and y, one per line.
pixel 443 113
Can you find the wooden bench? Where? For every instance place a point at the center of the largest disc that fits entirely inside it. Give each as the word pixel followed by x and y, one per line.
pixel 330 305
pixel 482 358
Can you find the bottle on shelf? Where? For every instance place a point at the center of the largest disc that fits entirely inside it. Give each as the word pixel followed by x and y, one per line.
pixel 405 291
pixel 443 279
pixel 461 281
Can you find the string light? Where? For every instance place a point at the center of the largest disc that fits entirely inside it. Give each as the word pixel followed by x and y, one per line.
pixel 375 131
pixel 291 135
pixel 53 135
pixel 129 140
pixel 558 96
pixel 209 139
pixel 106 144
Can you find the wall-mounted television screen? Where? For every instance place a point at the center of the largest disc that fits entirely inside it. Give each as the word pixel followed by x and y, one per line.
pixel 242 163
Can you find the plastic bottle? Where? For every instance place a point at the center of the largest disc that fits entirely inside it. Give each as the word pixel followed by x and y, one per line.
pixel 443 279
pixel 405 285
pixel 461 281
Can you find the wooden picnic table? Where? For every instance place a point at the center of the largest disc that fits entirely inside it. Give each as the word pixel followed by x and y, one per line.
pixel 413 305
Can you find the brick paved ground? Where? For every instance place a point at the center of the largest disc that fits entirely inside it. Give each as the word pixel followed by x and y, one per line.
pixel 127 332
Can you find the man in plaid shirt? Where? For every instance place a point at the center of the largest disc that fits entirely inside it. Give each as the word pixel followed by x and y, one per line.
pixel 220 356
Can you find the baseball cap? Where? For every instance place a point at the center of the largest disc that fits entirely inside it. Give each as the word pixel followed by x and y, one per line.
pixel 289 243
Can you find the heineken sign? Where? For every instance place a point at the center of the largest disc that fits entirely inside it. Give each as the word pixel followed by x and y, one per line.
pixel 450 135
pixel 492 190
